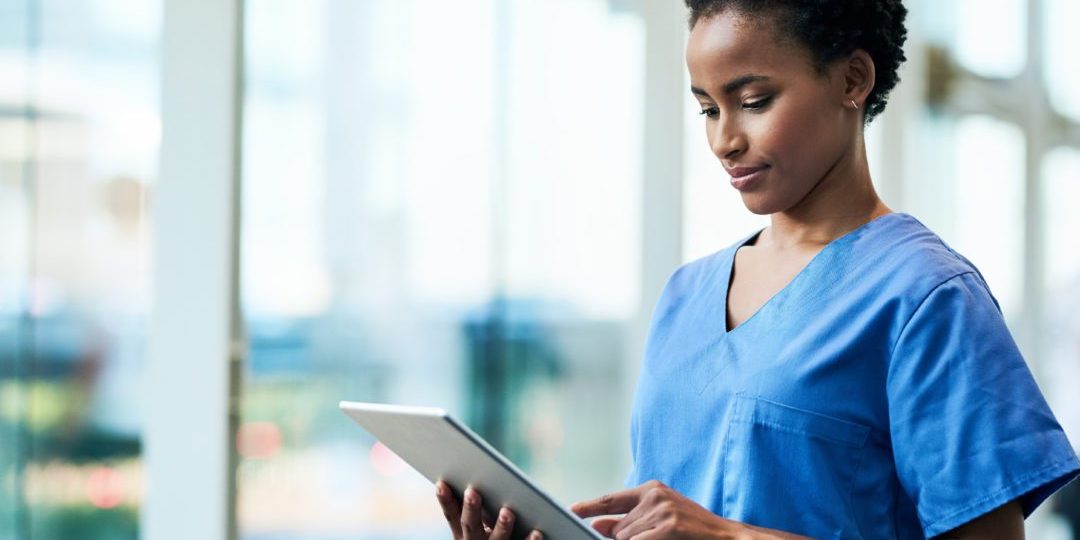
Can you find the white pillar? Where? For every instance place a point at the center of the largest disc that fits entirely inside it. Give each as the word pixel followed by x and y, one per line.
pixel 662 166
pixel 194 326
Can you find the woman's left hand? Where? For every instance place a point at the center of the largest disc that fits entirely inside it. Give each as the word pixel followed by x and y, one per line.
pixel 654 511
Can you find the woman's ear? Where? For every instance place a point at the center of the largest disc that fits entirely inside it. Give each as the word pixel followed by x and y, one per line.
pixel 858 77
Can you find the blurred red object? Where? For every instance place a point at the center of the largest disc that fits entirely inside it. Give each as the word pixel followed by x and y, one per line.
pixel 258 440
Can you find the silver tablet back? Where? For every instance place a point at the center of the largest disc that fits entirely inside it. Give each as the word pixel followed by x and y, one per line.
pixel 438 446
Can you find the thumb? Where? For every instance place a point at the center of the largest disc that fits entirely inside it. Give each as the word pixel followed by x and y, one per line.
pixel 604 526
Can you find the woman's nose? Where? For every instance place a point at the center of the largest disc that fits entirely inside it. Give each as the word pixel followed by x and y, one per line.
pixel 727 140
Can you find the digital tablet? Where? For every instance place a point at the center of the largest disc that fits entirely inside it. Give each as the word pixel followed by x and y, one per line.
pixel 438 446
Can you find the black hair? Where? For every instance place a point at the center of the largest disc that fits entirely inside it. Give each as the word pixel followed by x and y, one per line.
pixel 830 30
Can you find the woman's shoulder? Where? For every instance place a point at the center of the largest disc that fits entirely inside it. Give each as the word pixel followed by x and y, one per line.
pixel 909 254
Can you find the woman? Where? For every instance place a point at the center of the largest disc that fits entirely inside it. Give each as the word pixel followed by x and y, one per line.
pixel 841 373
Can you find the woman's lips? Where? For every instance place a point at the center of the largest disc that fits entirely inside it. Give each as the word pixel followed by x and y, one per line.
pixel 744 178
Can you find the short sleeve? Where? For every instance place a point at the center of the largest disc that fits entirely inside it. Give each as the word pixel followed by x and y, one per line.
pixel 970 429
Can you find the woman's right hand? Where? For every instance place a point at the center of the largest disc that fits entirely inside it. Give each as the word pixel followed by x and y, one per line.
pixel 467 521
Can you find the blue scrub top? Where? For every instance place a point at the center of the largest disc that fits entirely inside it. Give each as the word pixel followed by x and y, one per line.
pixel 878 395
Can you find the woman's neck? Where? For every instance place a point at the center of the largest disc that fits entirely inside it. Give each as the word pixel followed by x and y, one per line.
pixel 842 201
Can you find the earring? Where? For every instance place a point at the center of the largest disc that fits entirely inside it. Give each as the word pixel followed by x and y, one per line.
pixel 853 104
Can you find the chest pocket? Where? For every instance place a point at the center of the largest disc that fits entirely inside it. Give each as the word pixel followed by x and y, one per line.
pixel 791 469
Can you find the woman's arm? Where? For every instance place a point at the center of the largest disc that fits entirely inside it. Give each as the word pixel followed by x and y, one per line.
pixel 653 511
pixel 1004 523
pixel 661 513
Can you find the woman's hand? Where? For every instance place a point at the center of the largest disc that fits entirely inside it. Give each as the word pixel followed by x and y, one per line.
pixel 468 522
pixel 654 511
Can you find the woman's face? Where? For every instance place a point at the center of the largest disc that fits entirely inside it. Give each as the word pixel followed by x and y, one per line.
pixel 777 125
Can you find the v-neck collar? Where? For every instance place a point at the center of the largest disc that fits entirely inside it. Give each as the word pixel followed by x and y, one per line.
pixel 729 268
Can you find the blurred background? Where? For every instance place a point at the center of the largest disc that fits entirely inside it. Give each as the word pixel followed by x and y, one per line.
pixel 467 204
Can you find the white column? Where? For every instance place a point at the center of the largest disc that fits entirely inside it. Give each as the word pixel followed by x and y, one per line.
pixel 1035 119
pixel 194 329
pixel 662 166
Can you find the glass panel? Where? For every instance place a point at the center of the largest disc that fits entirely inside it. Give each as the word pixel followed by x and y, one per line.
pixel 990 36
pixel 1060 43
pixel 987 37
pixel 78 155
pixel 14 264
pixel 1061 191
pixel 571 253
pixel 573 197
pixel 989 198
pixel 439 217
pixel 1061 329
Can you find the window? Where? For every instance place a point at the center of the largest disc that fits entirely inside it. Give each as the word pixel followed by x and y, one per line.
pixel 441 207
pixel 79 135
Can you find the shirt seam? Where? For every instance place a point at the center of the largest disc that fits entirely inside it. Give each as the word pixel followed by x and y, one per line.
pixel 903 331
pixel 955 254
pixel 932 526
pixel 896 494
pixel 959 258
pixel 854 517
pixel 804 432
pixel 727 453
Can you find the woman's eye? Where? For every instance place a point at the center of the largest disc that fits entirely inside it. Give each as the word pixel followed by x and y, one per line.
pixel 710 112
pixel 757 105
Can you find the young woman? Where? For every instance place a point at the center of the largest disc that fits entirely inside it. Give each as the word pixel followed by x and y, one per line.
pixel 841 373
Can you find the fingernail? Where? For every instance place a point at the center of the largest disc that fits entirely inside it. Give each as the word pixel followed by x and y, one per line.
pixel 504 516
pixel 440 490
pixel 471 497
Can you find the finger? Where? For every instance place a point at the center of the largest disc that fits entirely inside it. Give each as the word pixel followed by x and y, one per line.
pixel 535 535
pixel 635 515
pixel 471 526
pixel 631 527
pixel 619 502
pixel 504 525
pixel 451 507
pixel 651 534
pixel 604 526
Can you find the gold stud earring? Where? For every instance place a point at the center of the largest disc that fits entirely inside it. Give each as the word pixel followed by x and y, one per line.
pixel 853 104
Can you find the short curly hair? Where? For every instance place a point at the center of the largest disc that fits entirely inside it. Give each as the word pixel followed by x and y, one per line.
pixel 830 30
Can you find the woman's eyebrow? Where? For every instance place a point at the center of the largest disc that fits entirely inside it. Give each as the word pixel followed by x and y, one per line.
pixel 740 82
pixel 732 85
